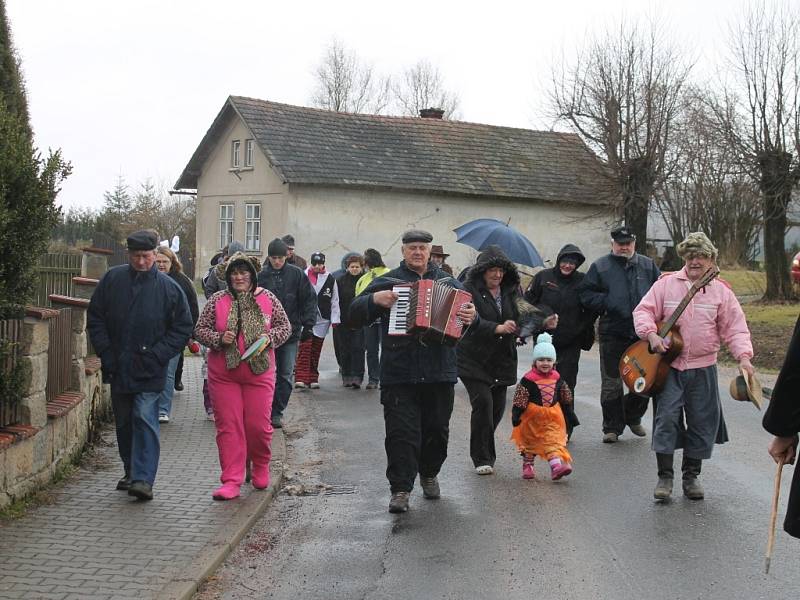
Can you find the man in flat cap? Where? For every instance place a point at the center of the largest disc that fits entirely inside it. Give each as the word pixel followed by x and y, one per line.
pixel 688 412
pixel 613 286
pixel 138 319
pixel 417 379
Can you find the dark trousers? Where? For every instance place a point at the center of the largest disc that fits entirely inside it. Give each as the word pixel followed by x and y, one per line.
pixel 372 339
pixel 417 419
pixel 179 370
pixel 568 357
pixel 488 406
pixel 351 354
pixel 619 409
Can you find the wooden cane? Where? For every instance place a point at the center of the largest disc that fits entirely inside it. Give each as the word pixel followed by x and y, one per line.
pixel 774 516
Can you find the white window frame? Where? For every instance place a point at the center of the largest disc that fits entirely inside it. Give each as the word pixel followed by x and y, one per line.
pixel 252 235
pixel 249 150
pixel 226 212
pixel 236 158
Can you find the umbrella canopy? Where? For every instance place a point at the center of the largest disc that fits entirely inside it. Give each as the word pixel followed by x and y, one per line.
pixel 482 233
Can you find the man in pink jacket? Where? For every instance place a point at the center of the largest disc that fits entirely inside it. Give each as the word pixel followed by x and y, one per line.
pixel 691 393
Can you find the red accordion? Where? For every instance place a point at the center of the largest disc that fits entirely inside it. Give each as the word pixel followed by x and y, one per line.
pixel 427 309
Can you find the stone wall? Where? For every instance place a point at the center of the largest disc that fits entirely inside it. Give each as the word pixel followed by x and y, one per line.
pixel 52 433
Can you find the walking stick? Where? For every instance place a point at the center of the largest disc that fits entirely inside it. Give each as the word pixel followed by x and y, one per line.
pixel 774 516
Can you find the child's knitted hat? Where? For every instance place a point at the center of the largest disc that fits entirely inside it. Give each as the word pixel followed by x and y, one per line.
pixel 544 347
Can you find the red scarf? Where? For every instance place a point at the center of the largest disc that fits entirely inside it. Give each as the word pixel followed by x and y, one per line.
pixel 313 275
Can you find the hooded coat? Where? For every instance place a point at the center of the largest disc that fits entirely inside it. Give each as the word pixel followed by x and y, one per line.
pixel 559 294
pixel 482 354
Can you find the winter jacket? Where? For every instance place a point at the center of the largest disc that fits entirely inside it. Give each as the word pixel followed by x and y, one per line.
pixel 327 295
pixel 560 295
pixel 188 289
pixel 713 315
pixel 783 419
pixel 293 289
pixel 346 284
pixel 405 359
pixel 613 287
pixel 368 278
pixel 137 321
pixel 482 354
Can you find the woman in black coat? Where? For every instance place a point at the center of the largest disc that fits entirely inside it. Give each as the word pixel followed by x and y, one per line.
pixel 782 420
pixel 487 355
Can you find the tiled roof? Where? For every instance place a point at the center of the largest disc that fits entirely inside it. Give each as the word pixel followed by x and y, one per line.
pixel 312 146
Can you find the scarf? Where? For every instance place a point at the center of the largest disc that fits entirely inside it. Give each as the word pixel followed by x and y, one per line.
pixel 313 275
pixel 246 317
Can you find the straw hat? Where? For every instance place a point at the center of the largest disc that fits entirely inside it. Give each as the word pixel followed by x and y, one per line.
pixel 747 388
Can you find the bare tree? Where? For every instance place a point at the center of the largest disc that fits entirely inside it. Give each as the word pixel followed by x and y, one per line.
pixel 705 189
pixel 422 86
pixel 345 84
pixel 760 117
pixel 622 95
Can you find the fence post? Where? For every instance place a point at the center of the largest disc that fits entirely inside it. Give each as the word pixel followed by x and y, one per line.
pixel 33 350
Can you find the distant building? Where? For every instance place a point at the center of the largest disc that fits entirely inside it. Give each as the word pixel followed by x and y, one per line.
pixel 341 182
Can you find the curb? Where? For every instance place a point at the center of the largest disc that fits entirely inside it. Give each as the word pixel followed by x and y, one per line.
pixel 188 580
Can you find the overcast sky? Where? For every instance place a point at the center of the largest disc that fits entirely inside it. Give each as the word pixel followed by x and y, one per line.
pixel 130 87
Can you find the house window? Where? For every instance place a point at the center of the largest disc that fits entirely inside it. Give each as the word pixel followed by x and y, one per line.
pixel 236 147
pixel 252 242
pixel 225 224
pixel 248 153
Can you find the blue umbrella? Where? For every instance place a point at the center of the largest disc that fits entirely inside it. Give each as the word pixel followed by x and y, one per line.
pixel 482 233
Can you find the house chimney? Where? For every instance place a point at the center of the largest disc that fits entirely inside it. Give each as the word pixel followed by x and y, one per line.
pixel 431 113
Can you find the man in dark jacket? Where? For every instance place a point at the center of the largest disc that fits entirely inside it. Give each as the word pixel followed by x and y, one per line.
pixel 293 289
pixel 138 319
pixel 557 290
pixel 613 286
pixel 417 379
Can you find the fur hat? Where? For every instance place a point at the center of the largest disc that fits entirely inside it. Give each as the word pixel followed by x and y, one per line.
pixel 696 243
pixel 544 347
pixel 240 259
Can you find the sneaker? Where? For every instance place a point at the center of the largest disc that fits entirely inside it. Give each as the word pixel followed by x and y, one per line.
pixel 372 386
pixel 484 470
pixel 610 438
pixel 430 487
pixel 299 385
pixel 210 415
pixel 163 418
pixel 638 430
pixel 527 470
pixel 398 502
pixel 559 469
pixel 125 483
pixel 227 491
pixel 314 386
pixel 178 386
pixel 141 490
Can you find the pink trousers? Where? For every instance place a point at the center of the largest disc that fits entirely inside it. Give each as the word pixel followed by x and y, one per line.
pixel 242 410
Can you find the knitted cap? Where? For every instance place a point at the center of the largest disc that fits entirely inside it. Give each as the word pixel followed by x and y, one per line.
pixel 544 347
pixel 696 243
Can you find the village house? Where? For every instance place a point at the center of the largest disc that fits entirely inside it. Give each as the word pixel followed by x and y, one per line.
pixel 340 182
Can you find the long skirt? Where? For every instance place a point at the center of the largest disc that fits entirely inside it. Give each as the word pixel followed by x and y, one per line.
pixel 542 431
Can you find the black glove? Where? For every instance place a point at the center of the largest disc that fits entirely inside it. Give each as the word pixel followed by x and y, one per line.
pixel 306 334
pixel 516 415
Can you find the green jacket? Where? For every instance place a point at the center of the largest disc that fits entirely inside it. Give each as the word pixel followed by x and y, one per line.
pixel 367 278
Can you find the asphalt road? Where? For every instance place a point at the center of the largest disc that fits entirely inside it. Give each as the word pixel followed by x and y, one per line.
pixel 596 534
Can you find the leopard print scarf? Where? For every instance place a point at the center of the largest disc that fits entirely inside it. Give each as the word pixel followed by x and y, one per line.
pixel 246 316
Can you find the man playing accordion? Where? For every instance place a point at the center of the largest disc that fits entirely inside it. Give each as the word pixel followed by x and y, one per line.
pixel 417 377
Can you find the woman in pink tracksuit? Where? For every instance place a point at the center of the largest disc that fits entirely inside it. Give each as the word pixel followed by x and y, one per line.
pixel 242 390
pixel 691 393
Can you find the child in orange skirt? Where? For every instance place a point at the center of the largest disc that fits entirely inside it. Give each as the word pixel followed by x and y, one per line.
pixel 541 401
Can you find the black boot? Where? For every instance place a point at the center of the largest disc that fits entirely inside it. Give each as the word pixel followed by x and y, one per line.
pixel 691 470
pixel 665 477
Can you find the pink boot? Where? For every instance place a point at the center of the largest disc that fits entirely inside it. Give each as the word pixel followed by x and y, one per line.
pixel 260 477
pixel 559 469
pixel 527 470
pixel 227 491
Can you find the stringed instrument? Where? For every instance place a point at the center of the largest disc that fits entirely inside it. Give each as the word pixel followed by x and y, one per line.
pixel 644 371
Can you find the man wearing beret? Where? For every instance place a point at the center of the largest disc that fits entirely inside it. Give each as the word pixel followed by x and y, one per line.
pixel 138 319
pixel 417 379
pixel 613 286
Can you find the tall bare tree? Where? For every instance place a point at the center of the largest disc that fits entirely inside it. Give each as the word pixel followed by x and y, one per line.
pixel 346 84
pixel 760 116
pixel 706 190
pixel 422 86
pixel 621 94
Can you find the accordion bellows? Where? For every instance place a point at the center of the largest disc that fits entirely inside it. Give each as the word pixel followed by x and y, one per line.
pixel 427 309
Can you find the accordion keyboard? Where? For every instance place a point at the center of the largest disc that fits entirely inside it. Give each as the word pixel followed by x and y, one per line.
pixel 398 315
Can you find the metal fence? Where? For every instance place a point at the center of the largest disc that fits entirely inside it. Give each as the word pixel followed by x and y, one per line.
pixel 56 271
pixel 59 354
pixel 10 334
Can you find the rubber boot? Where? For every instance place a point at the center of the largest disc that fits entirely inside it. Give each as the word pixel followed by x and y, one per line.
pixel 665 477
pixel 691 486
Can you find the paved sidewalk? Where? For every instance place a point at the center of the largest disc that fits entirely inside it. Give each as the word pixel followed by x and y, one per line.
pixel 96 542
